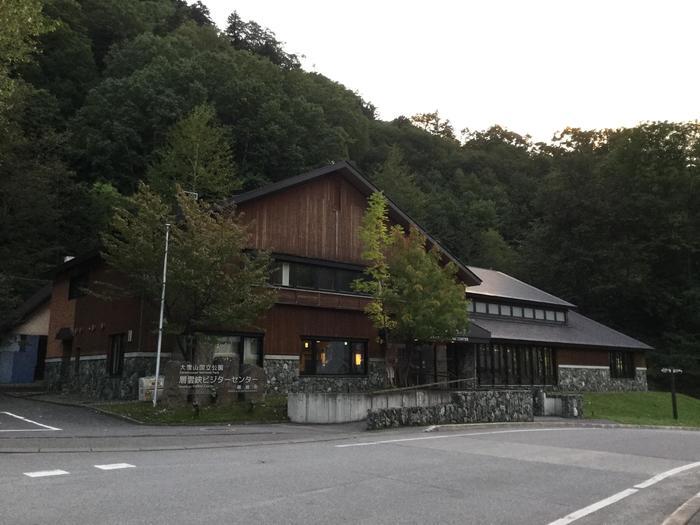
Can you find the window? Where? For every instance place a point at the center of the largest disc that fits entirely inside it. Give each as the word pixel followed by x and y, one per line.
pixel 561 317
pixel 77 286
pixel 470 306
pixel 517 311
pixel 314 276
pixel 333 357
pixel 493 309
pixel 115 359
pixel 528 313
pixel 304 276
pixel 345 278
pixel 279 274
pixel 515 365
pixel 326 279
pixel 550 315
pixel 539 314
pixel 480 308
pixel 252 351
pixel 622 365
pixel 248 348
pixel 505 310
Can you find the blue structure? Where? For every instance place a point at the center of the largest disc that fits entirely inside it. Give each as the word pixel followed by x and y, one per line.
pixel 23 341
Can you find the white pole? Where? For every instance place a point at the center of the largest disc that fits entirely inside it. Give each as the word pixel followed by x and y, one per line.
pixel 160 321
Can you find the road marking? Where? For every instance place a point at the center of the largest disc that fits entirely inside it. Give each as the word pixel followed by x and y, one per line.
pixel 664 475
pixel 115 466
pixel 45 473
pixel 594 507
pixel 447 436
pixel 45 427
pixel 621 495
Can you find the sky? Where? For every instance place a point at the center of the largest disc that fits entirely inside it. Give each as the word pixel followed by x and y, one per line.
pixel 534 67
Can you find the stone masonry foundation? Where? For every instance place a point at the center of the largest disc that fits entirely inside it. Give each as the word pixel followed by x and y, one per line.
pixel 481 406
pixel 581 379
pixel 92 381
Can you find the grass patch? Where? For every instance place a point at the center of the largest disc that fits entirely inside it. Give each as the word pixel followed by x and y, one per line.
pixel 642 408
pixel 273 410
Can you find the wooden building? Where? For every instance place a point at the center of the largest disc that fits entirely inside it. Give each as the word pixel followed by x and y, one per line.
pixel 316 337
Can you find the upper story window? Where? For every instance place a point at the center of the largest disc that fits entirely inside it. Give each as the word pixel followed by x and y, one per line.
pixel 313 276
pixel 513 311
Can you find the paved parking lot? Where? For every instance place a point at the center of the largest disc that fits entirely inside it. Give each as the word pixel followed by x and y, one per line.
pixel 300 474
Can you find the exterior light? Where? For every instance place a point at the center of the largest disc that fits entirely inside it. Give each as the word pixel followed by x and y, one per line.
pixel 358 359
pixel 306 344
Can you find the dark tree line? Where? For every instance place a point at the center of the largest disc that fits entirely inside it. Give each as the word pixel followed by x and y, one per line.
pixel 608 219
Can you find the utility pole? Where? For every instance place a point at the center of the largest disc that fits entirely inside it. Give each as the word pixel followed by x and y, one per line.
pixel 162 308
pixel 673 372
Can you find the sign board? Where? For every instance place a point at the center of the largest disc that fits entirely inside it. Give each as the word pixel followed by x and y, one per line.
pixel 146 385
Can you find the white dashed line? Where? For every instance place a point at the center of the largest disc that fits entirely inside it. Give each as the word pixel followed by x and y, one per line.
pixel 594 507
pixel 664 475
pixel 623 494
pixel 45 473
pixel 44 427
pixel 115 466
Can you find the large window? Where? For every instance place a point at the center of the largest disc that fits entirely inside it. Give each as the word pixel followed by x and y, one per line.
pixel 622 365
pixel 247 348
pixel 314 276
pixel 333 357
pixel 115 359
pixel 501 364
pixel 509 310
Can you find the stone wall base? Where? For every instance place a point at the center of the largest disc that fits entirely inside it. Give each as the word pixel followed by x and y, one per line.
pixel 481 406
pixel 580 379
pixel 283 377
pixel 93 382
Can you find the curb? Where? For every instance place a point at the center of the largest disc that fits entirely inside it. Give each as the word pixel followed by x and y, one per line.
pixel 455 426
pixel 116 415
pixel 165 448
pixel 683 514
pixel 87 406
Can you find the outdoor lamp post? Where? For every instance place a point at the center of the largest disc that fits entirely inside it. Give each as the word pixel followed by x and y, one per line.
pixel 160 320
pixel 673 372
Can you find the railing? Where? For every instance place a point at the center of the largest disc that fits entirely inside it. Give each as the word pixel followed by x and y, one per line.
pixel 459 384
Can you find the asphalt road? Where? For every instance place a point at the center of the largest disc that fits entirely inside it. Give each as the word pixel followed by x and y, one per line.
pixel 482 475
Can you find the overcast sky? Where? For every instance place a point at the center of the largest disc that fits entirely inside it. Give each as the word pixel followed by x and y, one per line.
pixel 534 67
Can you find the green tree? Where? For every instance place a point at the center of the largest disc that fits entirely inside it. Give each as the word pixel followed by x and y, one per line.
pixel 212 280
pixel 376 236
pixel 433 123
pixel 425 299
pixel 22 22
pixel 396 180
pixel 251 36
pixel 415 297
pixel 197 157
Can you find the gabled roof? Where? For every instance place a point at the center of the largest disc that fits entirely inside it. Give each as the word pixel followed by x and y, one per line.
pixel 354 177
pixel 27 308
pixel 498 285
pixel 577 331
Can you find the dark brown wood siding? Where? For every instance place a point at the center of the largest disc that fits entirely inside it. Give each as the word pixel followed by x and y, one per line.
pixel 586 357
pixel 96 319
pixel 319 219
pixel 285 325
